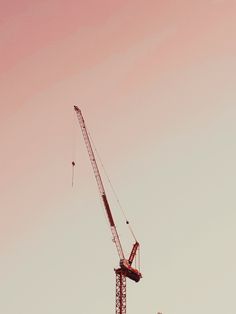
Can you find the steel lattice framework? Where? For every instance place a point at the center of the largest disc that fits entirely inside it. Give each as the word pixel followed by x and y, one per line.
pixel 126 269
pixel 120 291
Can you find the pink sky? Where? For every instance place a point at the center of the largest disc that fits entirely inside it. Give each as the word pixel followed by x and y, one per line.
pixel 50 41
pixel 156 83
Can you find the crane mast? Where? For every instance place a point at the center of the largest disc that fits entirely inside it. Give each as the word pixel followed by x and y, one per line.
pixel 126 269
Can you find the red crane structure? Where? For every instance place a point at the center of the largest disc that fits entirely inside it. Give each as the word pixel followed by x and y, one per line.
pixel 125 265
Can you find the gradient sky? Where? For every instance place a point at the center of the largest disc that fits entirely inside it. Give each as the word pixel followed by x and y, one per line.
pixel 156 83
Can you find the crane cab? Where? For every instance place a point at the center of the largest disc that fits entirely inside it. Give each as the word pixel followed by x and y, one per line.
pixel 129 271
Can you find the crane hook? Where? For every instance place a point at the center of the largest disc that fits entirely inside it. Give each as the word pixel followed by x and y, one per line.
pixel 73 165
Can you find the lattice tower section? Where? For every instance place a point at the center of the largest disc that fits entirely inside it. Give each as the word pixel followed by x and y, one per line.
pixel 120 292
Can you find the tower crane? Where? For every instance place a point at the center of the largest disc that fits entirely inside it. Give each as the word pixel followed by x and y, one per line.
pixel 125 265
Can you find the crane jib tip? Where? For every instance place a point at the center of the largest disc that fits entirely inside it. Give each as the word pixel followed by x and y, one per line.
pixel 76 108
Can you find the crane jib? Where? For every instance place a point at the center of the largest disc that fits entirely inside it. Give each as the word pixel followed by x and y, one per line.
pixel 107 207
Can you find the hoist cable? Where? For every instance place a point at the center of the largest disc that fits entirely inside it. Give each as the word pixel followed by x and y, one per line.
pixel 73 173
pixel 112 188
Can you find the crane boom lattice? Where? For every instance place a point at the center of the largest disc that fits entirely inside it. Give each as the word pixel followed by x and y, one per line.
pixel 115 235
